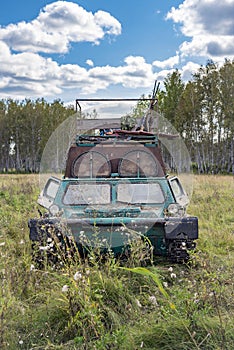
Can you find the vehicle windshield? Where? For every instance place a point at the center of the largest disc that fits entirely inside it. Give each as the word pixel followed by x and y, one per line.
pixel 133 193
pixel 86 193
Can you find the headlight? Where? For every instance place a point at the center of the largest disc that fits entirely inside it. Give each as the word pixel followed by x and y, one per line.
pixel 54 209
pixel 175 209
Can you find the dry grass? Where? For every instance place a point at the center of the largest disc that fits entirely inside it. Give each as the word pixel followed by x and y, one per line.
pixel 104 307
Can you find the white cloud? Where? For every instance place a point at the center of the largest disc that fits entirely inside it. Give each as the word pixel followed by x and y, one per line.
pixel 214 47
pixel 29 74
pixel 210 26
pixel 169 63
pixel 105 20
pixel 188 69
pixel 4 51
pixel 135 73
pixel 186 72
pixel 160 76
pixel 57 25
pixel 89 63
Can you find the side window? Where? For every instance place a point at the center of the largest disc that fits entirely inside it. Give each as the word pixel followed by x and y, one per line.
pixel 178 191
pixel 49 192
pixel 51 188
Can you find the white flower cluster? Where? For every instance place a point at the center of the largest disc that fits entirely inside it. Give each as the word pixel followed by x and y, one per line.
pixel 65 288
pixel 173 275
pixel 77 276
pixel 153 300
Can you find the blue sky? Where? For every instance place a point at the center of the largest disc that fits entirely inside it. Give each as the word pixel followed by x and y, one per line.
pixel 107 48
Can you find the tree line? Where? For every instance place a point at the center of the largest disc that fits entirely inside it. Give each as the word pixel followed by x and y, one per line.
pixel 201 110
pixel 25 127
pixel 202 113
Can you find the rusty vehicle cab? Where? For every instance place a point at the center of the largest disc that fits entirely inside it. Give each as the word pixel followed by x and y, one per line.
pixel 115 187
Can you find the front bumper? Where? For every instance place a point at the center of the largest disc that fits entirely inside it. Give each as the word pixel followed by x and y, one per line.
pixel 170 236
pixel 172 227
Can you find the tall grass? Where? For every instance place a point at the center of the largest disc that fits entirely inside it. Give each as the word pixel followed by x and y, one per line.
pixel 105 306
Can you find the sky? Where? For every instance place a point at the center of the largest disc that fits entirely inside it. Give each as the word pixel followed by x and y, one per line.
pixel 107 48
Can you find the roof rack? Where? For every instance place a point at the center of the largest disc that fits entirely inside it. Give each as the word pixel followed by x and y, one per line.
pixel 136 133
pixel 118 135
pixel 78 106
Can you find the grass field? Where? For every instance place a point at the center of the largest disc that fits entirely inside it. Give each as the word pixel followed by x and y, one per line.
pixel 83 306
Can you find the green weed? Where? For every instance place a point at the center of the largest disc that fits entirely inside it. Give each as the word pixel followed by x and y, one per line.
pixel 102 305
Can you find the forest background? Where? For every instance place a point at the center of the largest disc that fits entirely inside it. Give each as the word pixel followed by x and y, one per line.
pixel 201 110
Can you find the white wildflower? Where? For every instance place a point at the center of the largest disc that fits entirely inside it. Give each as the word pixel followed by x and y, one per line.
pixel 65 288
pixel 153 300
pixel 77 276
pixel 165 284
pixel 196 299
pixel 138 303
pixel 170 269
pixel 21 241
pixel 44 247
pixel 32 267
pixel 21 342
pixel 2 244
pixel 173 275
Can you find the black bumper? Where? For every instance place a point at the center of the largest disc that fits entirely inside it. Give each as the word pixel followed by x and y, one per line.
pixel 179 227
pixel 174 228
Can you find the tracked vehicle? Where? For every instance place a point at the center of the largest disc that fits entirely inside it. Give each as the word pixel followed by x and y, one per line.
pixel 115 187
